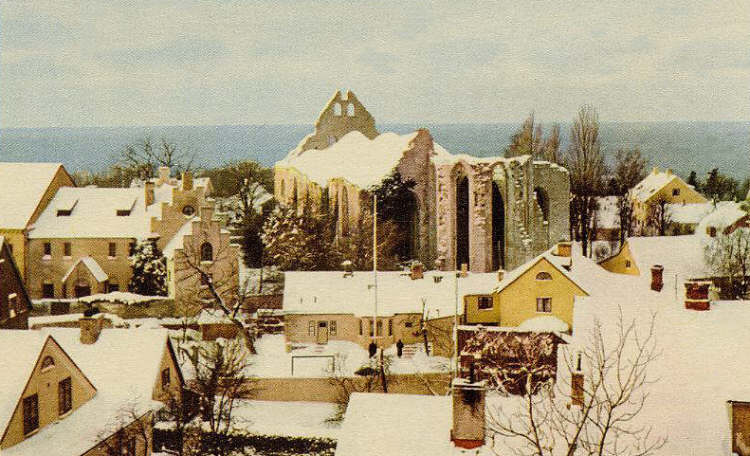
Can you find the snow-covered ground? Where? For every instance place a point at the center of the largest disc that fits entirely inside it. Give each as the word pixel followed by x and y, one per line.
pixel 272 359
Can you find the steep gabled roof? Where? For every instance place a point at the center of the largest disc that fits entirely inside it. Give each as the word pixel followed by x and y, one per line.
pixel 22 186
pixel 91 265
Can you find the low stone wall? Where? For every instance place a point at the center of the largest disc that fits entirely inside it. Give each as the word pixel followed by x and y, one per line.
pixel 324 390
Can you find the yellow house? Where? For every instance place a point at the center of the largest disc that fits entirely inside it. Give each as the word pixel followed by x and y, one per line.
pixel 93 391
pixel 25 191
pixel 677 256
pixel 662 186
pixel 542 287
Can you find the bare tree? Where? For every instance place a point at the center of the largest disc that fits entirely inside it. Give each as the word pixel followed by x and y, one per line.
pixel 728 256
pixel 630 169
pixel 586 165
pixel 658 218
pixel 145 157
pixel 220 380
pixel 215 285
pixel 129 433
pixel 367 378
pixel 529 140
pixel 594 411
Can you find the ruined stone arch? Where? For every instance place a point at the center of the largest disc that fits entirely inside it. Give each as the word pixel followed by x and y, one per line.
pixel 344 211
pixel 542 200
pixel 498 228
pixel 337 109
pixel 350 110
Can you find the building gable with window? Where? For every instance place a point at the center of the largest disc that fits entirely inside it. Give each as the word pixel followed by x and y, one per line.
pixel 25 191
pixel 14 301
pixel 543 287
pixel 71 392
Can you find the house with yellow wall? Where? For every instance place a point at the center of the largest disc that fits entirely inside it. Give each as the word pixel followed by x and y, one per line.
pixel 25 191
pixel 541 292
pixel 661 186
pixel 88 391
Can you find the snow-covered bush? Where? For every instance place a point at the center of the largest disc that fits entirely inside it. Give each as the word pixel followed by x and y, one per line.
pixel 149 269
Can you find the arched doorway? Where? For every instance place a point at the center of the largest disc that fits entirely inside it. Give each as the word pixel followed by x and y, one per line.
pixel 498 229
pixel 462 222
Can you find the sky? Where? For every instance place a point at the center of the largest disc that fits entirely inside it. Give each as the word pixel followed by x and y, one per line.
pixel 252 62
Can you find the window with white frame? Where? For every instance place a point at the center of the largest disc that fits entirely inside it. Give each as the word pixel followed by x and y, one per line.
pixel 544 305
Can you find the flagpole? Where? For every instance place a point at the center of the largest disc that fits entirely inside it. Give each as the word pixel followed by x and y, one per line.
pixel 375 264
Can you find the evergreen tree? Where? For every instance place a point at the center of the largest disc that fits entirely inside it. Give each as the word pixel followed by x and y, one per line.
pixel 693 180
pixel 149 269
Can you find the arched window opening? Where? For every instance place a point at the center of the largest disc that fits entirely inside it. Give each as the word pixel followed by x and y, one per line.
pixel 544 276
pixel 543 201
pixel 337 109
pixel 283 190
pixel 344 210
pixel 498 229
pixel 350 110
pixel 207 252
pixel 462 222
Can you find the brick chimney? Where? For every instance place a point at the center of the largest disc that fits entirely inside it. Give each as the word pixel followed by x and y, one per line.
pixel 149 193
pixel 697 294
pixel 91 327
pixel 564 249
pixel 669 171
pixel 164 173
pixel 417 271
pixel 468 413
pixel 500 275
pixel 576 389
pixel 655 170
pixel 187 181
pixel 657 277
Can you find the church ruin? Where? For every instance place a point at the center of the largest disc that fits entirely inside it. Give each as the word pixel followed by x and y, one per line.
pixel 487 213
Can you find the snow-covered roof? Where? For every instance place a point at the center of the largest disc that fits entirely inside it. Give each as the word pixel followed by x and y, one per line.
pixel 177 240
pixel 544 323
pixel 329 292
pixel 19 351
pixel 682 255
pixel 726 214
pixel 651 184
pixel 94 214
pixel 558 262
pixel 91 265
pixel 122 365
pixel 124 297
pixel 363 162
pixel 396 424
pixel 699 368
pixel 22 186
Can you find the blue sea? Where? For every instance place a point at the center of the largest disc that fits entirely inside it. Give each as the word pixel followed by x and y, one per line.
pixel 682 146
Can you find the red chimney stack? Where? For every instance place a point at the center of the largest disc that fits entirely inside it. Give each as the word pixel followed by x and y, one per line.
pixel 657 277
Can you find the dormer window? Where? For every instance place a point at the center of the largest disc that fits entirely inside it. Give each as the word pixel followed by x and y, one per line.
pixel 48 363
pixel 65 208
pixel 64 212
pixel 123 212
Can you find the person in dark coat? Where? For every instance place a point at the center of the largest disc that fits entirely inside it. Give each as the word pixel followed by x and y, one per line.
pixel 399 348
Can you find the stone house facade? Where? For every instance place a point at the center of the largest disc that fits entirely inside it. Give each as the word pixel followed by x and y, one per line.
pixel 488 213
pixel 82 243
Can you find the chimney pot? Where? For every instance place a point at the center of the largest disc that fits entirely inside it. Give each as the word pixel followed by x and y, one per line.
pixel 149 193
pixel 464 270
pixel 164 173
pixel 564 249
pixel 697 295
pixel 500 275
pixel 468 413
pixel 656 170
pixel 669 171
pixel 187 181
pixel 657 277
pixel 417 270
pixel 91 327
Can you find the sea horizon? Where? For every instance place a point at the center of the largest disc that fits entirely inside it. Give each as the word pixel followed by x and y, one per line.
pixel 681 145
